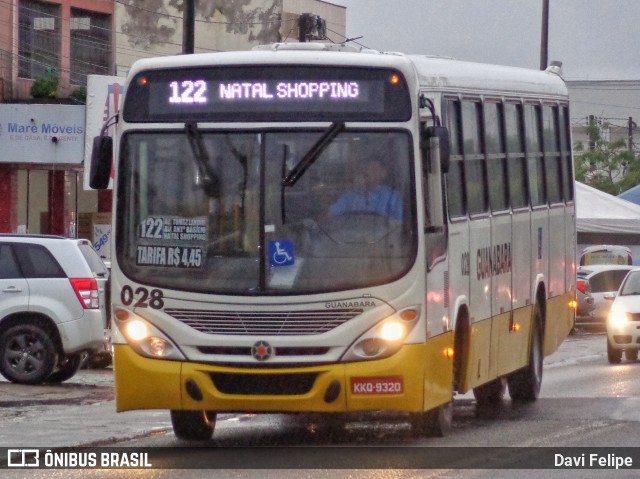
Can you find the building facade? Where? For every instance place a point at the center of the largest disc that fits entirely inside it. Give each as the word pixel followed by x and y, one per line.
pixel 47 50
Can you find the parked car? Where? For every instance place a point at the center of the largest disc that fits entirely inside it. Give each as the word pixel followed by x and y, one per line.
pixel 585 303
pixel 52 307
pixel 623 322
pixel 604 280
pixel 104 357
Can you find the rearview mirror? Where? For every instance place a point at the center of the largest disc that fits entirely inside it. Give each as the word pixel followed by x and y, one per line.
pixel 101 162
pixel 442 134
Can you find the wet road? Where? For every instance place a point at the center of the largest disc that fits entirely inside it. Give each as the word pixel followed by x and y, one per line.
pixel 584 402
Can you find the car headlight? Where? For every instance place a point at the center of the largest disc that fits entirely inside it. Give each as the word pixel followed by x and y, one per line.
pixel 145 338
pixel 385 338
pixel 618 318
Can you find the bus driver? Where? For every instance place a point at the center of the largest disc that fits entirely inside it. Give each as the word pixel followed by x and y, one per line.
pixel 374 196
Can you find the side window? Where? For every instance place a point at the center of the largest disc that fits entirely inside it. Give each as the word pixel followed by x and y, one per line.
pixel 516 167
pixel 496 157
pixel 553 172
pixel 607 281
pixel 37 262
pixel 9 268
pixel 455 176
pixel 473 156
pixel 93 260
pixel 565 154
pixel 535 160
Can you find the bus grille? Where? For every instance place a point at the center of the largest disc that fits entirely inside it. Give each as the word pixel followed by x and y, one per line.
pixel 264 384
pixel 265 323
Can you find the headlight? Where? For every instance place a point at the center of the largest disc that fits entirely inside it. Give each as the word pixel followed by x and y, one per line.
pixel 385 338
pixel 618 318
pixel 145 338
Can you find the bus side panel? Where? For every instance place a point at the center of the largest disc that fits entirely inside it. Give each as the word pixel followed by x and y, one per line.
pixel 143 383
pixel 500 291
pixel 570 250
pixel 478 369
pixel 560 318
pixel 556 282
pixel 521 245
pixel 540 254
pixel 515 331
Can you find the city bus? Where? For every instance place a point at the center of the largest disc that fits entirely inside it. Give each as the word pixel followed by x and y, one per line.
pixel 317 229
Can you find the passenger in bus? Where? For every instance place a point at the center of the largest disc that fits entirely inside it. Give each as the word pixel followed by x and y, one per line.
pixel 374 196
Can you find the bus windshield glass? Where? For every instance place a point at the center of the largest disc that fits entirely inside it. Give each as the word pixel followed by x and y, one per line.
pixel 214 211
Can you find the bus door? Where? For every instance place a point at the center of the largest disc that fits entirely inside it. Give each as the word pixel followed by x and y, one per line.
pixel 479 243
pixel 521 237
pixel 501 240
pixel 559 321
pixel 538 195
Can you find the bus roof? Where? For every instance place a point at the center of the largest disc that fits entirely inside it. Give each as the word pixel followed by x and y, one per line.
pixel 432 73
pixel 439 73
pixel 281 53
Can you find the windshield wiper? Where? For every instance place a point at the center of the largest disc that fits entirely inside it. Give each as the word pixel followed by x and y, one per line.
pixel 314 152
pixel 210 182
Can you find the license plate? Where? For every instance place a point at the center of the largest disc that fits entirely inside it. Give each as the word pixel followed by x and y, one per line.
pixel 379 385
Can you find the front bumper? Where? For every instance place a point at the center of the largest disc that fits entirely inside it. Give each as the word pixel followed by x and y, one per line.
pixel 424 372
pixel 625 336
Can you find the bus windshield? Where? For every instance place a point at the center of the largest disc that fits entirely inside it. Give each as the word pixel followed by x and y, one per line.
pixel 217 211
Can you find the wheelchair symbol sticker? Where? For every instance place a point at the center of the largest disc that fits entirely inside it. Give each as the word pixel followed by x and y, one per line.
pixel 281 253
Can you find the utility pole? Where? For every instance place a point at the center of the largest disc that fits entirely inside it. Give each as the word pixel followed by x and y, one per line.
pixel 544 37
pixel 591 121
pixel 630 126
pixel 188 26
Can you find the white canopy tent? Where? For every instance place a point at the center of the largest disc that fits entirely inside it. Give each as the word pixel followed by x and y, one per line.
pixel 605 219
pixel 600 212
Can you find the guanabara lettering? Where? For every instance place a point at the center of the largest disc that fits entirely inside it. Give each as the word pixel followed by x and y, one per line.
pixel 350 304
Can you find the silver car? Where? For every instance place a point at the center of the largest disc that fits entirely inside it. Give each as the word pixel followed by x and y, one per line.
pixel 623 333
pixel 604 280
pixel 52 307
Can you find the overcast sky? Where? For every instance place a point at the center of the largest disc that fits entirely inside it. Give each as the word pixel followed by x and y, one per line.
pixel 594 39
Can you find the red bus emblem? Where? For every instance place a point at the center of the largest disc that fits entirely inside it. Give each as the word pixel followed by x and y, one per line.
pixel 261 351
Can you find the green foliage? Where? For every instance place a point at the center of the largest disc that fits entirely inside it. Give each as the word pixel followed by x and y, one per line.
pixel 44 88
pixel 609 166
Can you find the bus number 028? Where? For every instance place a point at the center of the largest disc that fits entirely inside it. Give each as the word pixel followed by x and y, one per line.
pixel 143 297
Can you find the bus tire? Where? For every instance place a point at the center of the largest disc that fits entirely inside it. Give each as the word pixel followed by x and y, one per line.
pixel 193 425
pixel 491 393
pixel 631 354
pixel 436 422
pixel 524 384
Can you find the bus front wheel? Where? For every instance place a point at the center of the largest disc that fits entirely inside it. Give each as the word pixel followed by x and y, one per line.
pixel 193 425
pixel 433 423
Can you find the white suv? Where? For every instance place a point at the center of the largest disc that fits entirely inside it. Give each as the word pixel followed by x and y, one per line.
pixel 52 306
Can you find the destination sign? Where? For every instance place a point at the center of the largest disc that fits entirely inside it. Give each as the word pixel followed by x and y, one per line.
pixel 267 93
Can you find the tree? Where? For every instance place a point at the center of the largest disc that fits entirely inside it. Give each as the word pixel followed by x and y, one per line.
pixel 608 166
